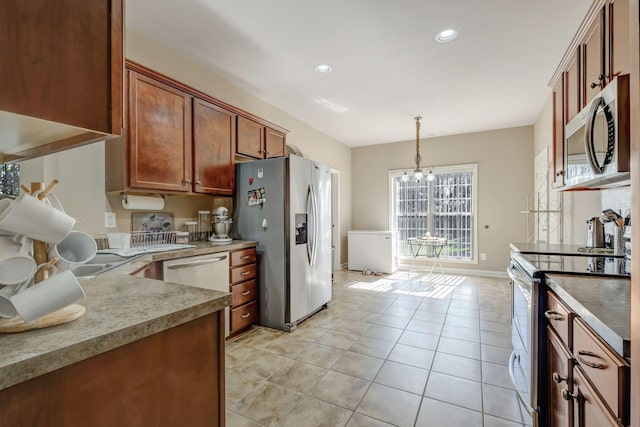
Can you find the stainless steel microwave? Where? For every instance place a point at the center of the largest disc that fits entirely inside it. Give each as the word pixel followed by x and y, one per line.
pixel 597 145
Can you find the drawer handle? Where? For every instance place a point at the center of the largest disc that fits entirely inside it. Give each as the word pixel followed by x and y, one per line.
pixel 244 316
pixel 566 395
pixel 557 378
pixel 552 315
pixel 245 257
pixel 590 364
pixel 245 293
pixel 244 273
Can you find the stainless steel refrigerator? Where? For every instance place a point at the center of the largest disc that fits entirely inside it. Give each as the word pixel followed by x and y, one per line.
pixel 284 204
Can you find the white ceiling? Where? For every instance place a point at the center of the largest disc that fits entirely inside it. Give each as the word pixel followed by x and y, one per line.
pixel 387 66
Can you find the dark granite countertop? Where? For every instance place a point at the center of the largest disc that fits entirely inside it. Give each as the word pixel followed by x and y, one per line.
pixel 603 303
pixel 120 309
pixel 547 248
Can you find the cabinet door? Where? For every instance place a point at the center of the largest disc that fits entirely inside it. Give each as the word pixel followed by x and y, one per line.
pixel 213 137
pixel 593 60
pixel 62 61
pixel 589 410
pixel 274 143
pixel 250 138
pixel 572 94
pixel 559 378
pixel 618 43
pixel 558 133
pixel 159 135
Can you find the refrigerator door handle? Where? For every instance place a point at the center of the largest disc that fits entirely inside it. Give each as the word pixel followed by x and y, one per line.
pixel 309 215
pixel 314 205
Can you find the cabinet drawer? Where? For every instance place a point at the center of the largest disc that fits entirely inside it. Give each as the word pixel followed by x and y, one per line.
pixel 244 292
pixel 559 317
pixel 592 411
pixel 606 370
pixel 244 316
pixel 246 256
pixel 240 274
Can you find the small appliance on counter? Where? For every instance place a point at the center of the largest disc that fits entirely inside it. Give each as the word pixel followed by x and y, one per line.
pixel 221 226
pixel 595 233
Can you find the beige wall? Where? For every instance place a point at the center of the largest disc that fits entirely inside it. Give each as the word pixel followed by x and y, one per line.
pixel 505 179
pixel 578 206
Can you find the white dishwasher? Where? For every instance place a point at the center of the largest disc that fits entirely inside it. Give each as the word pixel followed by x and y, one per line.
pixel 209 271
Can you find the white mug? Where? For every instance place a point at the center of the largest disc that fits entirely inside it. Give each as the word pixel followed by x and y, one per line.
pixel 7 309
pixel 58 291
pixel 16 265
pixel 75 249
pixel 34 218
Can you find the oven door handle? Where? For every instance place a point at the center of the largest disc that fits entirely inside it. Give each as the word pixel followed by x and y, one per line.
pixel 512 271
pixel 512 362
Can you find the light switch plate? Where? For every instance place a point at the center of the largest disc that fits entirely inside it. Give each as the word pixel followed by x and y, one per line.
pixel 109 220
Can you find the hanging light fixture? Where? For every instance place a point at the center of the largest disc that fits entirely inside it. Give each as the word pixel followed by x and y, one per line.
pixel 431 176
pixel 417 173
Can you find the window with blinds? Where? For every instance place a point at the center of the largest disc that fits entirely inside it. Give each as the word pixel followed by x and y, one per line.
pixel 10 179
pixel 444 207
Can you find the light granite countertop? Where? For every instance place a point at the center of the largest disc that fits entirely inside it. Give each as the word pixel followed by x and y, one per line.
pixel 603 303
pixel 120 309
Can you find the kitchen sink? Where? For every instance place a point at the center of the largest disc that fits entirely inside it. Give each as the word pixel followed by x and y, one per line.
pixel 99 264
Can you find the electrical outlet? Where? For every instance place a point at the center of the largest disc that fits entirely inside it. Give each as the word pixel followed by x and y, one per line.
pixel 109 220
pixel 483 257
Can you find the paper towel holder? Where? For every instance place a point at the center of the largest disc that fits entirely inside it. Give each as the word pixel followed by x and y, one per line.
pixel 124 198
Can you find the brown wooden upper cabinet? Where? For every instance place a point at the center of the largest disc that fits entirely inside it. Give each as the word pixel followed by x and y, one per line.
pixel 258 141
pixel 175 142
pixel 605 48
pixel 159 135
pixel 61 61
pixel 179 140
pixel 558 134
pixel 213 136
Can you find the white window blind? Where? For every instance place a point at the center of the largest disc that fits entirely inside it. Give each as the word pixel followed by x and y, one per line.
pixel 444 207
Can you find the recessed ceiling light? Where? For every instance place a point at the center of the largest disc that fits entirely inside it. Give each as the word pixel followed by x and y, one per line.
pixel 323 69
pixel 446 35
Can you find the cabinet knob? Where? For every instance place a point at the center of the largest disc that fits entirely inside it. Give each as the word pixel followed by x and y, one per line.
pixel 198 182
pixel 560 173
pixel 557 378
pixel 186 182
pixel 566 395
pixel 594 85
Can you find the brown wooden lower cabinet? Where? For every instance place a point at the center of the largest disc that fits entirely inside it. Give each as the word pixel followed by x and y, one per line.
pixel 243 285
pixel 559 362
pixel 589 409
pixel 172 378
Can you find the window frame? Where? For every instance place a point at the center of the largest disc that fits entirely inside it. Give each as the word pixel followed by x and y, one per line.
pixel 467 167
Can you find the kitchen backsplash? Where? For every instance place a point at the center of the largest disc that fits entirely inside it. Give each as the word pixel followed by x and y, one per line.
pixel 618 199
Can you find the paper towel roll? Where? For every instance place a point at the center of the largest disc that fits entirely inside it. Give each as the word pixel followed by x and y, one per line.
pixel 143 203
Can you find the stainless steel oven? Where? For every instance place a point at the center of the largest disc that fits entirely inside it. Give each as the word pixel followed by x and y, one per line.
pixel 523 363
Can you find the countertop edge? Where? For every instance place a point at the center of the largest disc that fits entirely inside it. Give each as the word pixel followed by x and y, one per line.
pixel 620 344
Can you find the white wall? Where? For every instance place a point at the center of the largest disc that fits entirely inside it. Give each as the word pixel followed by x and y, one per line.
pixel 505 179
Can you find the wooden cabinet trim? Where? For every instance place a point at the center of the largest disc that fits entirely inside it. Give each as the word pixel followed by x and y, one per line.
pixel 131 65
pixel 558 378
pixel 597 412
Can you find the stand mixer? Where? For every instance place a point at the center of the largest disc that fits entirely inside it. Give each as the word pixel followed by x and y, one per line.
pixel 221 226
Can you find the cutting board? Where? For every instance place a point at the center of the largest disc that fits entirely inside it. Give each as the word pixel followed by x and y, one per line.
pixel 64 315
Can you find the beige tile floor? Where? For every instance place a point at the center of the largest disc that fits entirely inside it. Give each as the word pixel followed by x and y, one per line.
pixel 390 350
